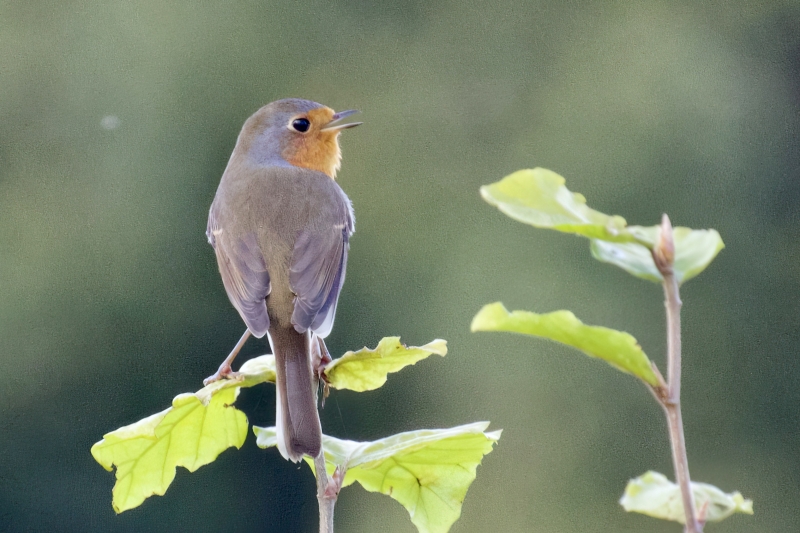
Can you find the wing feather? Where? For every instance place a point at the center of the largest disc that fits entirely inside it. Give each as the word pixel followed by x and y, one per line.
pixel 244 274
pixel 317 272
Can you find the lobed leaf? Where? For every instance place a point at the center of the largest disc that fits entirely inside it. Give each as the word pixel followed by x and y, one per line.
pixel 694 251
pixel 654 495
pixel 619 349
pixel 427 471
pixel 200 426
pixel 538 197
pixel 368 369
pixel 191 433
pixel 257 370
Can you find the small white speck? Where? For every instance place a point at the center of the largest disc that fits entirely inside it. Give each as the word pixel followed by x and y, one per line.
pixel 110 122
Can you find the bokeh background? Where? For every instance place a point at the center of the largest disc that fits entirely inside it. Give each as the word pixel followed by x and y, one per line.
pixel 117 120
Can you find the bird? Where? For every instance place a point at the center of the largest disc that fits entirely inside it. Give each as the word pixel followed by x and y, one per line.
pixel 280 226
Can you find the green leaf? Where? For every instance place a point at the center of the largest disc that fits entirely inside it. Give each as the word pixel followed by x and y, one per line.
pixel 359 371
pixel 199 426
pixel 368 369
pixel 654 495
pixel 617 348
pixel 257 370
pixel 191 433
pixel 694 251
pixel 538 197
pixel 427 471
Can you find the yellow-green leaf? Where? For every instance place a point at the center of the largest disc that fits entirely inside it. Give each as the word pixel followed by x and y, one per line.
pixel 694 251
pixel 257 370
pixel 538 197
pixel 199 426
pixel 367 369
pixel 655 495
pixel 427 471
pixel 617 348
pixel 191 433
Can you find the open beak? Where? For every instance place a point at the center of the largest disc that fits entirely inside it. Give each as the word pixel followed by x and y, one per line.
pixel 332 126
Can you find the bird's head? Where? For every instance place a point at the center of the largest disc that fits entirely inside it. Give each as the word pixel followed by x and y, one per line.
pixel 298 132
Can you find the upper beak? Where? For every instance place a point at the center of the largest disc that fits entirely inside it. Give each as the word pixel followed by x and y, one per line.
pixel 332 126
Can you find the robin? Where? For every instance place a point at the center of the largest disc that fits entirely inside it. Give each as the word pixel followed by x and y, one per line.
pixel 280 226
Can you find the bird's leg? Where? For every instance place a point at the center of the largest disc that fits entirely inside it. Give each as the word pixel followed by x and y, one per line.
pixel 320 358
pixel 224 370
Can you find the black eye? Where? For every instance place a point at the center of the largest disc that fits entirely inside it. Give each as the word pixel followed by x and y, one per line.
pixel 301 124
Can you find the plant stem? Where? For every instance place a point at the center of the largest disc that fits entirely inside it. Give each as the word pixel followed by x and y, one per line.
pixel 325 499
pixel 681 465
pixel 670 399
pixel 672 404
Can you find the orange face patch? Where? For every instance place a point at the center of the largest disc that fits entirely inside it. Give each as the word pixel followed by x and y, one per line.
pixel 315 149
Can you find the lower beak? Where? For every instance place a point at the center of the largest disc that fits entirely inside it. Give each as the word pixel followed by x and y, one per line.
pixel 332 126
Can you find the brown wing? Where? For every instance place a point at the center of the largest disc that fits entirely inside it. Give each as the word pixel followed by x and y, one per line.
pixel 316 275
pixel 244 274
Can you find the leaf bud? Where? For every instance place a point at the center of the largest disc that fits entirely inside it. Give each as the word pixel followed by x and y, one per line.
pixel 664 250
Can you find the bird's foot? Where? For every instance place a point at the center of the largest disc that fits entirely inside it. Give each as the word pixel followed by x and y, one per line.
pixel 224 370
pixel 320 357
pixel 319 371
pixel 223 373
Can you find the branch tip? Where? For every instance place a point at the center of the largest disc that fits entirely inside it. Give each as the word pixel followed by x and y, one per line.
pixel 664 250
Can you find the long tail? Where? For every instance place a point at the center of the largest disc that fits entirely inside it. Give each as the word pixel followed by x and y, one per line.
pixel 297 418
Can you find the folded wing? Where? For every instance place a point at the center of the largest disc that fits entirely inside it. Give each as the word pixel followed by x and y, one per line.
pixel 317 272
pixel 244 274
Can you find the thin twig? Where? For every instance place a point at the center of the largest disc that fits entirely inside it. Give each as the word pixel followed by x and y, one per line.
pixel 325 497
pixel 672 405
pixel 670 400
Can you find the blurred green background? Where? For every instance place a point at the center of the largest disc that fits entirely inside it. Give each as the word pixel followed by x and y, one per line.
pixel 117 120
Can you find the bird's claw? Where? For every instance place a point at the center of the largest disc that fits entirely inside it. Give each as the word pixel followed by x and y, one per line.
pixel 224 372
pixel 320 359
pixel 321 375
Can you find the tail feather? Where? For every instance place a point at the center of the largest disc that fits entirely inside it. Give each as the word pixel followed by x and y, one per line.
pixel 297 418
